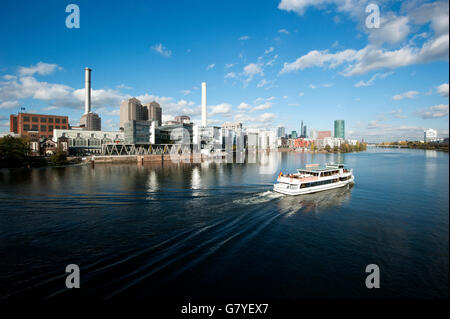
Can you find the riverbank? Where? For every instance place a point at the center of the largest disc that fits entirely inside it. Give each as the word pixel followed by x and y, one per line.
pixel 417 145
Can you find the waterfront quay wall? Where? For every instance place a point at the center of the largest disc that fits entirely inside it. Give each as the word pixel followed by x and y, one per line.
pixel 146 158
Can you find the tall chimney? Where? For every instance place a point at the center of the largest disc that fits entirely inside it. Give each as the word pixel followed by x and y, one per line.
pixel 87 87
pixel 204 104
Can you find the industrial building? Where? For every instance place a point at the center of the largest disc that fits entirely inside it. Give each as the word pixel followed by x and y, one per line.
pixel 40 124
pixel 89 120
pixel 236 126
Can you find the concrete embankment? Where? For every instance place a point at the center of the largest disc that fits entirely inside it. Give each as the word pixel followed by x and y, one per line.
pixel 140 159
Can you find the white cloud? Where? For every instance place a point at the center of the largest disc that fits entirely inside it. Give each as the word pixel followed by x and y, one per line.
pixel 436 12
pixel 243 106
pixel 371 81
pixel 9 77
pixel 253 69
pixel 269 50
pixel 41 68
pixel 186 92
pixel 262 83
pixel 372 58
pixel 312 86
pixel 211 66
pixel 244 37
pixel 123 86
pixel 250 71
pixel 443 89
pixel 392 30
pixel 433 112
pixel 230 75
pixel 266 117
pixel 159 48
pixel 283 31
pixel 264 106
pixel 271 61
pixel 9 104
pixel 229 65
pixel 223 108
pixel 406 95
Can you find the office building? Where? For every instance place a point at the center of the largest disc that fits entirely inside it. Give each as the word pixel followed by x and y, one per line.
pixel 339 129
pixel 313 134
pixel 154 112
pixel 137 132
pixel 304 134
pixel 42 125
pixel 182 118
pixel 281 131
pixel 294 134
pixel 132 109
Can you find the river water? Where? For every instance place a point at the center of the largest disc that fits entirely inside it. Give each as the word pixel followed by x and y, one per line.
pixel 219 231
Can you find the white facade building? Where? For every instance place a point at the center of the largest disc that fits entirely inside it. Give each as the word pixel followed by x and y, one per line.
pixel 89 140
pixel 430 135
pixel 332 141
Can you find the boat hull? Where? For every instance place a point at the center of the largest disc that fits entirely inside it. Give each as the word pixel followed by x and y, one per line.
pixel 281 188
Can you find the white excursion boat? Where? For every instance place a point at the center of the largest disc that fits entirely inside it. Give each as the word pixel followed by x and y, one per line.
pixel 314 179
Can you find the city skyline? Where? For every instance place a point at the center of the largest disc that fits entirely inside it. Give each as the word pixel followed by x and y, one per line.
pixel 296 61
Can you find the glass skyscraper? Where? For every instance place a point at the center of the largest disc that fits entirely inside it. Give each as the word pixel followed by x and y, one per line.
pixel 339 129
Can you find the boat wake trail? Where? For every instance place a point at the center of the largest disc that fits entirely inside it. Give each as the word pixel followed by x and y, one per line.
pixel 144 270
pixel 258 198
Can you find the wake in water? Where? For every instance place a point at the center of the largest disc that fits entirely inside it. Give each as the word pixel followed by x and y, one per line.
pixel 258 198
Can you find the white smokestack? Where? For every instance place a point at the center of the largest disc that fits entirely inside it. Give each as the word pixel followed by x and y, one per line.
pixel 87 87
pixel 204 120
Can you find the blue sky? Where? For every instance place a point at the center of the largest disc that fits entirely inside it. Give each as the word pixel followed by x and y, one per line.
pixel 266 63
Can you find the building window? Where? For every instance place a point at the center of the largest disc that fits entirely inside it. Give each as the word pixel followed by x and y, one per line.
pixel 26 127
pixel 34 119
pixel 26 119
pixel 63 127
pixel 43 120
pixel 50 120
pixel 50 128
pixel 64 121
pixel 56 120
pixel 43 128
pixel 57 127
pixel 34 127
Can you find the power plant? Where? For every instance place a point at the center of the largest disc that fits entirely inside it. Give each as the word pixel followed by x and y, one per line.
pixel 204 115
pixel 89 121
pixel 87 89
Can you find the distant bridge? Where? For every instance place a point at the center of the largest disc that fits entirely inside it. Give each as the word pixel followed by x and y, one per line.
pixel 145 149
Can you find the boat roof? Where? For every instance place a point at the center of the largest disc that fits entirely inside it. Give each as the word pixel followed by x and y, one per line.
pixel 328 167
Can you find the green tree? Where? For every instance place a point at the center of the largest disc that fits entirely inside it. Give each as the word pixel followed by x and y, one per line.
pixel 14 151
pixel 59 158
pixel 335 149
pixel 327 148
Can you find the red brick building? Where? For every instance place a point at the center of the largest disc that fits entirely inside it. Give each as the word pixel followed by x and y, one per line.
pixel 322 134
pixel 300 142
pixel 23 123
